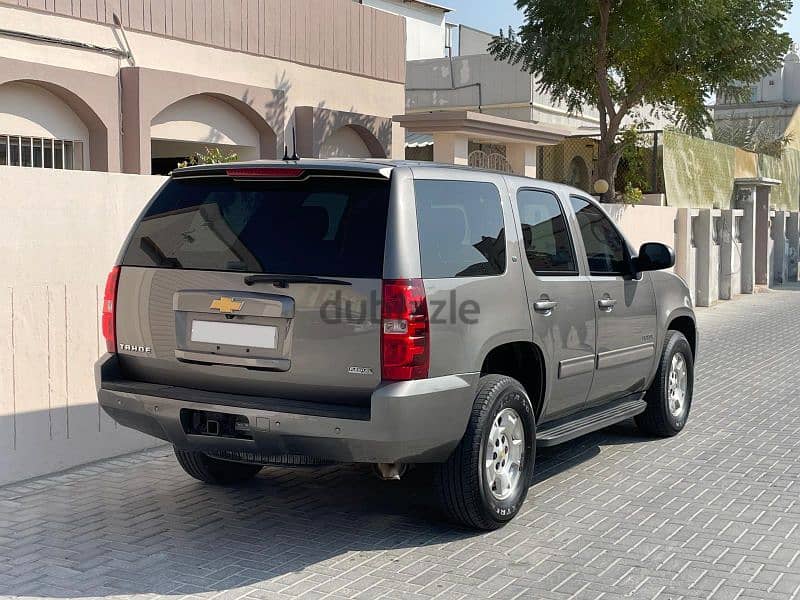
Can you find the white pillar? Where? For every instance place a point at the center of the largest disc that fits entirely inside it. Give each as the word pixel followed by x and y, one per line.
pixel 451 148
pixel 747 232
pixel 522 158
pixel 728 269
pixel 763 235
pixel 730 256
pixel 779 248
pixel 793 237
pixel 707 292
pixel 683 247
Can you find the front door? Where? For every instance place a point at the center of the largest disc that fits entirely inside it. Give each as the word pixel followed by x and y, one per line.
pixel 560 301
pixel 624 305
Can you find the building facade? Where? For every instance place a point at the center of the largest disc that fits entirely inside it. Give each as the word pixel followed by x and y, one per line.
pixel 139 87
pixel 426 30
pixel 773 100
pixel 473 81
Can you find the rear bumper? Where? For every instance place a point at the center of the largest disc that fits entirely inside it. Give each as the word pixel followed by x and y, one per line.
pixel 411 421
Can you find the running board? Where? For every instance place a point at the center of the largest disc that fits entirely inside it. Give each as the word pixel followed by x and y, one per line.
pixel 564 430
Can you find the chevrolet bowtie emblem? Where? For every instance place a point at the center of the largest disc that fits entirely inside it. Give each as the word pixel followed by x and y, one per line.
pixel 226 305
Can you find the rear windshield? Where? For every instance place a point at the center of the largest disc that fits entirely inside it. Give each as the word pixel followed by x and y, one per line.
pixel 321 226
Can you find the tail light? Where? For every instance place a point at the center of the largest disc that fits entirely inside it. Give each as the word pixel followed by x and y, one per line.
pixel 405 332
pixel 109 308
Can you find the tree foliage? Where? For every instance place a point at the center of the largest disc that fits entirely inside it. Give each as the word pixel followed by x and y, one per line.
pixel 751 134
pixel 623 55
pixel 210 156
pixel 632 174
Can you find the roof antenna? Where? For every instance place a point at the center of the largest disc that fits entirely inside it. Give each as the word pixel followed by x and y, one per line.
pixel 286 153
pixel 128 52
pixel 294 146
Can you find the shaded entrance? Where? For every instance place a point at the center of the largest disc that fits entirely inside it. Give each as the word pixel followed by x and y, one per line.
pixel 200 125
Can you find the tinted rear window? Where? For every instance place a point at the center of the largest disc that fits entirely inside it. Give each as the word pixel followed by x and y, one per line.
pixel 322 226
pixel 461 232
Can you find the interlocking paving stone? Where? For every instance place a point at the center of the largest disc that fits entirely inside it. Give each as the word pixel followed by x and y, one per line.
pixel 712 513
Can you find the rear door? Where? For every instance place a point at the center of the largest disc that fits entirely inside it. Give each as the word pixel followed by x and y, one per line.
pixel 624 306
pixel 268 287
pixel 559 298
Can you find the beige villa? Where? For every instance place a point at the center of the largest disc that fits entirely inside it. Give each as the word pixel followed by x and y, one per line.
pixel 135 87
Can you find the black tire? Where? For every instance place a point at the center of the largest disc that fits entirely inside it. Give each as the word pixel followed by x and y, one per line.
pixel 213 470
pixel 460 482
pixel 658 420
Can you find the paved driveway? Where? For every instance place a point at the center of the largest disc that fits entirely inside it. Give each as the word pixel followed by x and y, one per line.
pixel 713 513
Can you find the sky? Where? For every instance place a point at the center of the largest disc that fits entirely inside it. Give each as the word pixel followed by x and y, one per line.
pixel 491 15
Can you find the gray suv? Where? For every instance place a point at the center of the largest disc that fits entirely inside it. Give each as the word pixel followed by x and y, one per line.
pixel 392 313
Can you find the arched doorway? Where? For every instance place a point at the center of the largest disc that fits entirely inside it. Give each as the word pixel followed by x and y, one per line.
pixel 344 143
pixel 197 125
pixel 39 129
pixel 351 141
pixel 578 174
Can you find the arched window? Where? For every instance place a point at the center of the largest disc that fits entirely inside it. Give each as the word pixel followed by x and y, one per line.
pixel 38 129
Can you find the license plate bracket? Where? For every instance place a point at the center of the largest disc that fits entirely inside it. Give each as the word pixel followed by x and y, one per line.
pixel 246 335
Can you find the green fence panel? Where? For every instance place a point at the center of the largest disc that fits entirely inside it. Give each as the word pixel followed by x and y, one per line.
pixel 785 196
pixel 698 173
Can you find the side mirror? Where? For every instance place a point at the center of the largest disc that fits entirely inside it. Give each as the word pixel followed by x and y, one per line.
pixel 654 256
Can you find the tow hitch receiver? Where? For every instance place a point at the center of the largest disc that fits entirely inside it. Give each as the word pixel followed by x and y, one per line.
pixel 201 422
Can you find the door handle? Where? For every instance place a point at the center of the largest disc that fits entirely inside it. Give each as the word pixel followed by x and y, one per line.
pixel 544 306
pixel 606 304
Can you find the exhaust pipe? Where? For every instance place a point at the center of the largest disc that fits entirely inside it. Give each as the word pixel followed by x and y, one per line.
pixel 391 471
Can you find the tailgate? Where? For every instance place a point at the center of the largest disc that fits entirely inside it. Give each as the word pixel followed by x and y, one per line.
pixel 258 287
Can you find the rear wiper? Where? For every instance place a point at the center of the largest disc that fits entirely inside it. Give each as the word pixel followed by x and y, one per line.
pixel 283 281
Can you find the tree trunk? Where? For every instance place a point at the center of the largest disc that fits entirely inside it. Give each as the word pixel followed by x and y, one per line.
pixel 606 170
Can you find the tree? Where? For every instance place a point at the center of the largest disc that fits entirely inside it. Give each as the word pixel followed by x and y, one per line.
pixel 753 135
pixel 622 56
pixel 210 156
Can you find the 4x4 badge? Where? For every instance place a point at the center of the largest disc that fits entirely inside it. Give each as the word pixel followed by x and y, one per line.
pixel 226 305
pixel 360 371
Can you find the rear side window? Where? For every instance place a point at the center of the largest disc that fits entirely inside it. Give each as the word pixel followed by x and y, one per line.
pixel 461 231
pixel 548 246
pixel 321 226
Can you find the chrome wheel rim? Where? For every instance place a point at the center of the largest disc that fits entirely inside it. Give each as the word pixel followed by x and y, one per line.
pixel 677 384
pixel 505 450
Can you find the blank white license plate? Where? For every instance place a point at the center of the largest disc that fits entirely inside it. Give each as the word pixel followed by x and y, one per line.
pixel 234 334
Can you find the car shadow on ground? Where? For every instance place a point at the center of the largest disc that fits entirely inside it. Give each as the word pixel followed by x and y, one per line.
pixel 553 461
pixel 150 529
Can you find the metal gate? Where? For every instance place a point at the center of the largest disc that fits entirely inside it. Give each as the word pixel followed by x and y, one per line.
pixel 493 161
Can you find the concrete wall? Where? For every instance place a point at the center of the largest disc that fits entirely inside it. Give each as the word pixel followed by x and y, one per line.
pixel 473 41
pixel 204 119
pixel 302 31
pixel 62 234
pixel 425 29
pixel 645 223
pixel 506 90
pixel 344 143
